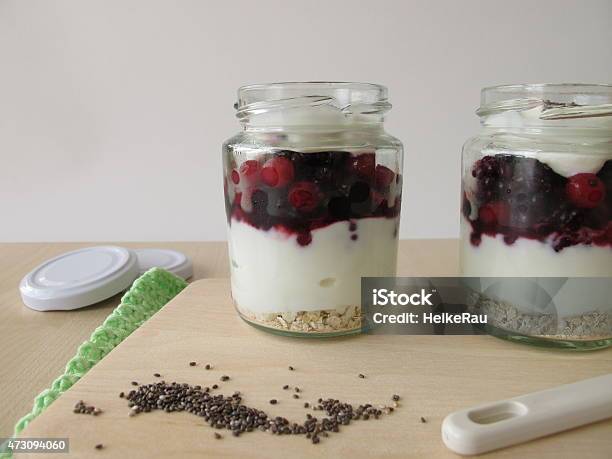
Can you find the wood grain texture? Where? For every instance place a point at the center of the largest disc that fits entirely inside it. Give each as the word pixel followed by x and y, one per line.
pixel 35 346
pixel 433 375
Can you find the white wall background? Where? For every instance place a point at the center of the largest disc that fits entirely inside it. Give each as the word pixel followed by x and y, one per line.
pixel 112 113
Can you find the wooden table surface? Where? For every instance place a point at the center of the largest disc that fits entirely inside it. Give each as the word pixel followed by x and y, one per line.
pixel 35 346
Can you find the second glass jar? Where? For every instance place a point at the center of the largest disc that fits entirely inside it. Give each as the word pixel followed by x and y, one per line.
pixel 537 207
pixel 313 193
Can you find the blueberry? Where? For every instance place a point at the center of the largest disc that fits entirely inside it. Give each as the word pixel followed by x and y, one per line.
pixel 360 191
pixel 339 208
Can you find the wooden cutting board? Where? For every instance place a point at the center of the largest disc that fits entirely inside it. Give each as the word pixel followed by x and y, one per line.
pixel 433 376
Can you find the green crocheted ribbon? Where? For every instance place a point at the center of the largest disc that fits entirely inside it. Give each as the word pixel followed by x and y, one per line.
pixel 148 294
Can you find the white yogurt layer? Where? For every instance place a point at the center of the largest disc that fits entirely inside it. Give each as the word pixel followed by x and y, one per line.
pixel 531 258
pixel 272 273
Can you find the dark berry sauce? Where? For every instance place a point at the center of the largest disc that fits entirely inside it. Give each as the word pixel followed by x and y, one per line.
pixel 521 197
pixel 296 192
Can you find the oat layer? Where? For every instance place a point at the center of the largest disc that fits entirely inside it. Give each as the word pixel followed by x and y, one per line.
pixel 594 325
pixel 345 319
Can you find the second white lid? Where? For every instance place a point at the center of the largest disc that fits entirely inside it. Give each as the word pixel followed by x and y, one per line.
pixel 79 278
pixel 170 260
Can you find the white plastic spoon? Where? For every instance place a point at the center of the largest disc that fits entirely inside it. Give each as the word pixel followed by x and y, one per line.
pixel 500 424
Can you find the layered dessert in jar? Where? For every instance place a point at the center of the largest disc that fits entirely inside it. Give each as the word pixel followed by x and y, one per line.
pixel 537 203
pixel 312 207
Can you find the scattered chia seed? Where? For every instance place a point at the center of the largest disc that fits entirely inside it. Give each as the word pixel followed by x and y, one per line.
pixel 215 386
pixel 134 383
pixel 225 378
pixel 362 376
pixel 157 375
pixel 297 389
pixel 395 398
pixel 121 394
pixel 291 368
pixel 99 446
pixel 423 420
pixel 229 413
pixel 286 386
pixel 306 405
pixel 192 364
pixel 218 436
pixel 82 408
pixel 296 396
pixel 208 366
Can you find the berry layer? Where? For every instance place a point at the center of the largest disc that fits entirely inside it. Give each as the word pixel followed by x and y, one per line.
pixel 273 273
pixel 522 198
pixel 297 193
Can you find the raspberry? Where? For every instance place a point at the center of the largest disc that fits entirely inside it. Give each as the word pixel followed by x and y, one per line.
pixel 585 190
pixel 277 172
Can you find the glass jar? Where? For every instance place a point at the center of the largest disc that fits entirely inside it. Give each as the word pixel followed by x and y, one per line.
pixel 312 193
pixel 537 205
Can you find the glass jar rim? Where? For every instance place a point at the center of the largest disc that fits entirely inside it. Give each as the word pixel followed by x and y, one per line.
pixel 348 97
pixel 556 100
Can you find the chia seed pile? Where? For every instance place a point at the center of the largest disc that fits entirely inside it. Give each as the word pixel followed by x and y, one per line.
pixel 229 413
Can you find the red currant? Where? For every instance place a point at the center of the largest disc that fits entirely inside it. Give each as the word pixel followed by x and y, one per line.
pixel 235 177
pixel 250 171
pixel 304 196
pixel 277 172
pixel 585 190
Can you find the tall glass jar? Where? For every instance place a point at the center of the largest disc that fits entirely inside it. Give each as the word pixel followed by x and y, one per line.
pixel 537 205
pixel 312 193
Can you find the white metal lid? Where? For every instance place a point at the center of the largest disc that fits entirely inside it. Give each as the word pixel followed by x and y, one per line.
pixel 170 260
pixel 79 278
